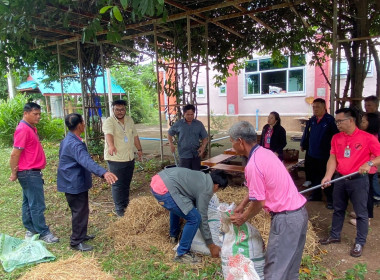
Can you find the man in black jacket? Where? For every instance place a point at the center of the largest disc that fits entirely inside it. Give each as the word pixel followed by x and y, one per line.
pixel 316 141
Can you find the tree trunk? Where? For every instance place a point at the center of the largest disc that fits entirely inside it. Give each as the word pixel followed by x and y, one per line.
pixel 11 84
pixel 375 55
pixel 359 52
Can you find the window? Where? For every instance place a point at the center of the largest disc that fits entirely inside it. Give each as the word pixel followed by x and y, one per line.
pixel 223 90
pixel 344 68
pixel 280 76
pixel 201 91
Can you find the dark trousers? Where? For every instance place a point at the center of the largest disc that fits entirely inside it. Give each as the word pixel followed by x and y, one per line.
pixel 355 190
pixel 191 163
pixel 317 170
pixel 370 196
pixel 120 189
pixel 78 204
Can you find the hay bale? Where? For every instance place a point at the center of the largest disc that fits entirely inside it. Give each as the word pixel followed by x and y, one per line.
pixel 146 225
pixel 76 267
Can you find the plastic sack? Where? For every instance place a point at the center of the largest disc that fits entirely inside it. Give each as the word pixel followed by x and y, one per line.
pixel 245 240
pixel 241 268
pixel 199 244
pixel 15 252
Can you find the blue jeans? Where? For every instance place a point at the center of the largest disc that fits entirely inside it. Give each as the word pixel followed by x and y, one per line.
pixel 120 189
pixel 33 204
pixel 193 220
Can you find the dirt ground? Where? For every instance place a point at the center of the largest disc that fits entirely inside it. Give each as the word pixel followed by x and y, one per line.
pixel 334 257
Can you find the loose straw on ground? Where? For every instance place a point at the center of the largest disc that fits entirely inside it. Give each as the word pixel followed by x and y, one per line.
pixel 146 225
pixel 76 267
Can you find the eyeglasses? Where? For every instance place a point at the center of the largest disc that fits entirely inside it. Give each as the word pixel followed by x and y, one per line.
pixel 338 122
pixel 119 110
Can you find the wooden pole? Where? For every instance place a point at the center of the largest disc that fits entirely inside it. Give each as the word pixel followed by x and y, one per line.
pixel 61 81
pixel 188 33
pixel 158 93
pixel 335 28
pixel 208 92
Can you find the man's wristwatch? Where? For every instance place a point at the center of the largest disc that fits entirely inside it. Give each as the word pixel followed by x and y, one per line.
pixel 370 163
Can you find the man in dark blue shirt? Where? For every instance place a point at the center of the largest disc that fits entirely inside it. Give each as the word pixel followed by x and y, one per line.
pixel 316 141
pixel 74 179
pixel 189 132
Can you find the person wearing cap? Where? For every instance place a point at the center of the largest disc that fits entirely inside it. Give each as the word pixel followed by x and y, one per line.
pixel 351 151
pixel 271 188
pixel 186 194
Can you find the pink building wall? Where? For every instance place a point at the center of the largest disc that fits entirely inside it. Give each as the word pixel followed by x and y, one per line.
pixel 232 93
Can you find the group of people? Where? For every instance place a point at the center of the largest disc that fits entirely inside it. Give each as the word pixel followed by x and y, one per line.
pixel 74 170
pixel 186 193
pixel 334 147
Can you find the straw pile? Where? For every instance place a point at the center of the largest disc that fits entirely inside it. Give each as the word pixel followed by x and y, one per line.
pixel 76 267
pixel 146 224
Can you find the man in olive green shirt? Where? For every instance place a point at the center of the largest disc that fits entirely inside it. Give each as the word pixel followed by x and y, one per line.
pixel 120 139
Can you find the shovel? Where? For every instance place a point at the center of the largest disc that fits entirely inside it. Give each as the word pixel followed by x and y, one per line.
pixel 329 182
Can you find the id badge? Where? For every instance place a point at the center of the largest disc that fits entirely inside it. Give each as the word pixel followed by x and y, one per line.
pixel 125 139
pixel 347 152
pixel 268 140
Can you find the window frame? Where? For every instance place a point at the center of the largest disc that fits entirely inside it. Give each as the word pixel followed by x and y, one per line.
pixel 344 75
pixel 225 89
pixel 204 91
pixel 287 70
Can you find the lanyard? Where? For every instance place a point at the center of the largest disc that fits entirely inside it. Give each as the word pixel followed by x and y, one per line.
pixel 121 126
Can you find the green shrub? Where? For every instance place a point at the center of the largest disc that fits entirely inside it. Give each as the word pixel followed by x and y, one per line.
pixel 11 112
pixel 50 128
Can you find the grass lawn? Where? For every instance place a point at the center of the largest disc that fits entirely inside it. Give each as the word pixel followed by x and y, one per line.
pixel 124 264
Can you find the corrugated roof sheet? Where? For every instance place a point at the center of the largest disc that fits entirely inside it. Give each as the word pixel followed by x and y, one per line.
pixel 70 86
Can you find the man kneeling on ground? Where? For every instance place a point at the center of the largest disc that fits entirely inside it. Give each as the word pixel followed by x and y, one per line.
pixel 186 194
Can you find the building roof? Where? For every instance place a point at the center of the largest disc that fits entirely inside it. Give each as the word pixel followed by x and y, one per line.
pixel 36 82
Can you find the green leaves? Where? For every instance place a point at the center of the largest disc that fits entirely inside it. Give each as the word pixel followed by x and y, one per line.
pixel 124 3
pixel 116 13
pixel 105 9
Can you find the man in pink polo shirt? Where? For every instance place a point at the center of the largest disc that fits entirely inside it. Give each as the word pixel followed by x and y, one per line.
pixel 271 187
pixel 27 160
pixel 351 151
